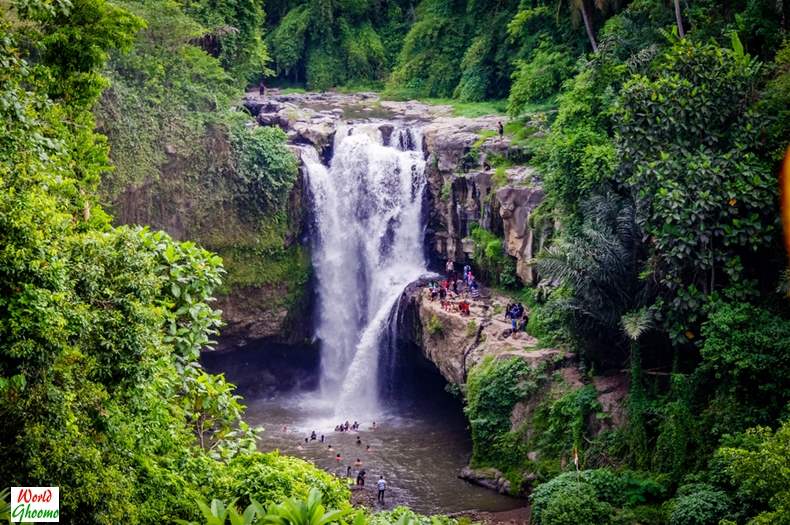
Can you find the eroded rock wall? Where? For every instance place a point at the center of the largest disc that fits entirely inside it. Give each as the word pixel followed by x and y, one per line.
pixel 455 344
pixel 466 190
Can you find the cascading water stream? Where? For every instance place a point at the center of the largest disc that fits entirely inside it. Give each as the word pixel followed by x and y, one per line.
pixel 368 247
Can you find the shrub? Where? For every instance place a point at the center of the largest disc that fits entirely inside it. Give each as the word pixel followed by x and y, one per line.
pixel 699 504
pixel 435 326
pixel 758 466
pixel 494 264
pixel 569 503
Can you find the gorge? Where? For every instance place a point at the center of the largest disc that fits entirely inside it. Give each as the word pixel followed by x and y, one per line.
pixel 375 177
pixel 226 228
pixel 368 201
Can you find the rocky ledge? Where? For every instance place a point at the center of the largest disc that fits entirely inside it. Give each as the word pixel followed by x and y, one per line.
pixel 455 343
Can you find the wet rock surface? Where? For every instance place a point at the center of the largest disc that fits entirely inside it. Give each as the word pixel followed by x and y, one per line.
pixel 460 152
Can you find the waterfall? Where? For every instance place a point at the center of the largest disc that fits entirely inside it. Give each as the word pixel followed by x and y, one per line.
pixel 368 246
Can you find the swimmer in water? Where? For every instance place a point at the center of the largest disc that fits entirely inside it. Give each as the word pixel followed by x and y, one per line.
pixel 329 447
pixel 337 457
pixel 359 441
pixel 357 463
pixel 367 447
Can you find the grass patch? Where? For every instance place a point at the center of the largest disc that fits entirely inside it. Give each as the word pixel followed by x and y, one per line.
pixel 471 328
pixel 484 136
pixel 470 109
pixel 292 90
pixel 447 191
pixel 500 177
pixel 460 108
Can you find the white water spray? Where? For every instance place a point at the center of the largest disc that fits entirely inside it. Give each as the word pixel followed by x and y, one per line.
pixel 369 247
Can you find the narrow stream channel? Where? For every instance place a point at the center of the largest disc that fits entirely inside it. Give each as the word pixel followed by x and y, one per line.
pixel 420 445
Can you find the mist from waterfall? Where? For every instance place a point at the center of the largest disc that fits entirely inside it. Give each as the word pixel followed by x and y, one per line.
pixel 368 246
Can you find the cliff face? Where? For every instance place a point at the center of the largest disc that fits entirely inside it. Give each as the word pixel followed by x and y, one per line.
pixel 197 194
pixel 465 189
pixel 456 344
pixel 464 186
pixel 267 293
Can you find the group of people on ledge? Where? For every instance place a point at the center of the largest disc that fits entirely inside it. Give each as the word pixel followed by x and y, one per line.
pixel 455 291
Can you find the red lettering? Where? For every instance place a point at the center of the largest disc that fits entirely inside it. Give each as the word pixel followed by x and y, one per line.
pixel 25 495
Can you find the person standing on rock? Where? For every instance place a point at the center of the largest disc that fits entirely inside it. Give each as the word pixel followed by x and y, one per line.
pixel 500 129
pixel 262 88
pixel 450 267
pixel 381 484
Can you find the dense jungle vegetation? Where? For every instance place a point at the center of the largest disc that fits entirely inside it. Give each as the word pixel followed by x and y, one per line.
pixel 659 153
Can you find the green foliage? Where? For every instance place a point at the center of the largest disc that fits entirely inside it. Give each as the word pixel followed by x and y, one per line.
pixel 174 141
pixel 575 505
pixel 540 78
pixel 101 327
pixel 309 511
pixel 699 504
pixel 323 69
pixel 471 328
pixel 493 388
pixel 435 326
pixel 599 269
pixel 233 34
pixel 429 62
pixel 745 349
pixel 593 496
pixel 264 165
pixel 404 516
pixel 447 191
pixel 293 511
pixel 494 264
pixel 332 44
pixel 563 423
pixel 575 498
pixel 689 149
pixel 759 469
pixel 287 41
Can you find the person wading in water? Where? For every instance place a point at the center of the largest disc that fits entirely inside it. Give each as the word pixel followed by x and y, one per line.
pixel 381 484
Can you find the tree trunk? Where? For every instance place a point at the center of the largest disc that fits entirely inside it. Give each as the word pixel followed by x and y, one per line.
pixel 679 19
pixel 588 25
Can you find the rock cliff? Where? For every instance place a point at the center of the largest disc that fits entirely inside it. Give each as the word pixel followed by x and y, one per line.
pixel 464 186
pixel 456 344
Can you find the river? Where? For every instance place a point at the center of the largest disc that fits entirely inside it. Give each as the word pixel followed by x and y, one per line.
pixel 420 442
